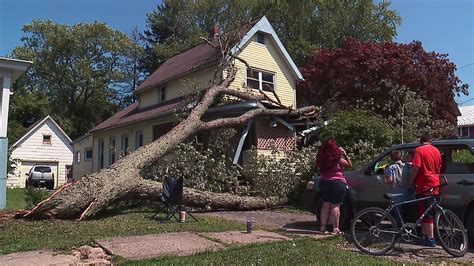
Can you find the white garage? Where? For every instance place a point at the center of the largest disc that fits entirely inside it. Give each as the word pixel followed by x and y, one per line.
pixel 45 143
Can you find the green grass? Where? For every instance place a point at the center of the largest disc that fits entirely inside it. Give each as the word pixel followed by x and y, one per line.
pixel 23 235
pixel 300 251
pixel 16 199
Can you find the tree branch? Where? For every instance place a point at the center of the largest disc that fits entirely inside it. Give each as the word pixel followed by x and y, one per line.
pixel 235 121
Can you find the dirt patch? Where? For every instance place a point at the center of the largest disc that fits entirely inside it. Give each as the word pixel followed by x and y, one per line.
pixel 243 238
pixel 269 219
pixel 150 246
pixel 84 255
pixel 404 252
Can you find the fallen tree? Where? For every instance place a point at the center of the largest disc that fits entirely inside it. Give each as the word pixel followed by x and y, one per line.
pixel 93 193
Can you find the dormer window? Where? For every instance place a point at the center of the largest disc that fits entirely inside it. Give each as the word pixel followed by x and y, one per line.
pixel 47 139
pixel 261 38
pixel 260 80
pixel 161 94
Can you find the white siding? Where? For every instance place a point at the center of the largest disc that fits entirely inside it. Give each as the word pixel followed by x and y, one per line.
pixel 32 150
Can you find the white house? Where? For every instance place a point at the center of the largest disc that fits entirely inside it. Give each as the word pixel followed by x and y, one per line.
pixel 44 143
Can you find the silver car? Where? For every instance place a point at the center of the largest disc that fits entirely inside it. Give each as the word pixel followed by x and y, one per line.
pixel 367 186
pixel 40 175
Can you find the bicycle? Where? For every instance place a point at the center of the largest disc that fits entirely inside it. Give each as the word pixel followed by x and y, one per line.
pixel 375 231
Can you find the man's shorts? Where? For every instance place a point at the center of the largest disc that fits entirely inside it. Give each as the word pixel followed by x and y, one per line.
pixel 333 191
pixel 423 205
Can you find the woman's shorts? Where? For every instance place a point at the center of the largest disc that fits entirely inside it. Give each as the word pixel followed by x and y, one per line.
pixel 333 191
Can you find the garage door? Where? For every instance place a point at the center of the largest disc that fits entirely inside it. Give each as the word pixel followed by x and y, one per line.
pixel 26 167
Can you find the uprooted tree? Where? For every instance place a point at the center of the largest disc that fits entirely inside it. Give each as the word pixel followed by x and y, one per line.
pixel 122 180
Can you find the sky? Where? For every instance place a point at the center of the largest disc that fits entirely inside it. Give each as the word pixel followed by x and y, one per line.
pixel 443 26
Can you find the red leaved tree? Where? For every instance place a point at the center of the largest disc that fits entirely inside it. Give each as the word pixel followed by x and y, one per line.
pixel 356 76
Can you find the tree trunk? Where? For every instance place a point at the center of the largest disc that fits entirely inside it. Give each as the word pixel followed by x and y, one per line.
pixel 93 193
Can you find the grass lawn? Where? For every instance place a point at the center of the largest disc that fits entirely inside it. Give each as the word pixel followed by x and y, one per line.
pixel 16 199
pixel 22 235
pixel 300 251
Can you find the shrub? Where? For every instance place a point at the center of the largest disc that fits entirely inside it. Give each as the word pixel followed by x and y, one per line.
pixel 33 196
pixel 351 128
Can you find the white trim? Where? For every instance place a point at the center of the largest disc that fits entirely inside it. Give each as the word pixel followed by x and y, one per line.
pixel 264 25
pixel 40 124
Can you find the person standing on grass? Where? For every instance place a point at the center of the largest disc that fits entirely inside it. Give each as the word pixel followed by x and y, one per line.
pixel 331 159
pixel 426 167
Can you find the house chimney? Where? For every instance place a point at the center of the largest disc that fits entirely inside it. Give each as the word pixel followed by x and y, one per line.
pixel 214 32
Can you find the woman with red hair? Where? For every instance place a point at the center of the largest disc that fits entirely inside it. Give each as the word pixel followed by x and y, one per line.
pixel 331 159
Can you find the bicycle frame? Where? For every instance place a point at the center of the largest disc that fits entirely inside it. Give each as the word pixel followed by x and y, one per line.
pixel 393 205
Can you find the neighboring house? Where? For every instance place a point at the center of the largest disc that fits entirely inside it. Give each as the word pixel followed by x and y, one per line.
pixel 44 143
pixel 160 96
pixel 465 124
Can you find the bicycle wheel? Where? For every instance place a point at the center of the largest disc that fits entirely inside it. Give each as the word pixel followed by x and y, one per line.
pixel 373 233
pixel 451 233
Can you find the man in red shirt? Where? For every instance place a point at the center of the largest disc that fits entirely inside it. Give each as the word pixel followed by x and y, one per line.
pixel 426 166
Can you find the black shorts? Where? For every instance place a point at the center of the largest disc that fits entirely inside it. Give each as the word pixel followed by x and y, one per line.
pixel 333 191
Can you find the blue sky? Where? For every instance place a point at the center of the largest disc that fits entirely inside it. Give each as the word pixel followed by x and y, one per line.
pixel 443 26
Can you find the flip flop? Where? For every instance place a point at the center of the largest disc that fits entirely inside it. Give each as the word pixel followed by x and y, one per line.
pixel 337 232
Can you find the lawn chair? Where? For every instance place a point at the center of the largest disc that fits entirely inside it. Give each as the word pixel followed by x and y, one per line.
pixel 171 198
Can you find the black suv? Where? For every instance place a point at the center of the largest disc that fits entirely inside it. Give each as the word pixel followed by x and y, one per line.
pixel 367 186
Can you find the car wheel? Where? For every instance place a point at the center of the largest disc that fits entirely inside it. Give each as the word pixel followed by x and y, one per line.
pixel 470 225
pixel 345 217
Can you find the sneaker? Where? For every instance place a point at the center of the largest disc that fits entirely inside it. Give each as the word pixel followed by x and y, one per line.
pixel 430 242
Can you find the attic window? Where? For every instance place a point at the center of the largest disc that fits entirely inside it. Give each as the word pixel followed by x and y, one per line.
pixel 260 80
pixel 261 38
pixel 47 139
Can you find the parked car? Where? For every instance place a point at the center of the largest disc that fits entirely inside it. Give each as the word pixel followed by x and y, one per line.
pixel 367 186
pixel 40 175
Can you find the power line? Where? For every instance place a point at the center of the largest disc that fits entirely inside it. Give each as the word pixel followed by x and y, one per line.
pixel 466 66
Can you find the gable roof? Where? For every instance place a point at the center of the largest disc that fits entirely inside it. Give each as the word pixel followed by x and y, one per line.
pixel 133 114
pixel 203 55
pixel 467 115
pixel 36 126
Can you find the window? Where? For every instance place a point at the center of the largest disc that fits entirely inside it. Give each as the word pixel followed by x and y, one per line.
pixel 101 154
pixel 88 154
pixel 160 130
pixel 78 156
pixel 457 160
pixel 111 150
pixel 47 139
pixel 260 80
pixel 260 38
pixel 124 145
pixel 138 139
pixel 464 131
pixel 161 94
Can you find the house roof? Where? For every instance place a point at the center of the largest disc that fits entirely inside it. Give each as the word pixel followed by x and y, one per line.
pixel 467 115
pixel 35 126
pixel 133 114
pixel 203 55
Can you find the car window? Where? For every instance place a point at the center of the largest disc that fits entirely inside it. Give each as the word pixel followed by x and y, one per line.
pixel 457 160
pixel 43 169
pixel 386 161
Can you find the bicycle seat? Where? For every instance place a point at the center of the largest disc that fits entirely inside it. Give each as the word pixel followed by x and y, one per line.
pixel 391 195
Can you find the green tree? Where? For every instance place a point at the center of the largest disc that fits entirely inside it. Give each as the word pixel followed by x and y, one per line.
pixel 303 26
pixel 79 68
pixel 26 107
pixel 350 127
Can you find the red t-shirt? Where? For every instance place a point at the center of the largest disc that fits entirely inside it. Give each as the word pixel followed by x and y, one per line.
pixel 428 159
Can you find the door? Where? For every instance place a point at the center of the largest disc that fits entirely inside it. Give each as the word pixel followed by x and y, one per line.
pixel 459 164
pixel 68 173
pixel 370 186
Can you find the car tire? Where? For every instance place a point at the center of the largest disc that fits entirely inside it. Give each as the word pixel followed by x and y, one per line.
pixel 470 226
pixel 344 219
